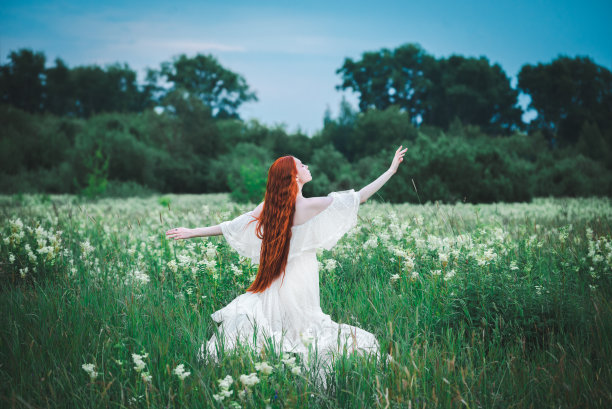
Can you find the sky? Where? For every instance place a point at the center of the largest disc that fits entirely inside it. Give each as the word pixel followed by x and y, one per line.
pixel 288 52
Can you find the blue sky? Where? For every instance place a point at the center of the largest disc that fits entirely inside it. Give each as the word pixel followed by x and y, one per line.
pixel 288 52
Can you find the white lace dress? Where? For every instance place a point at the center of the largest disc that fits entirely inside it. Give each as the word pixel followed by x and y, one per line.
pixel 289 312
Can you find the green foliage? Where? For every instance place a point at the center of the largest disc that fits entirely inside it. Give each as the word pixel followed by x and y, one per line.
pixel 566 93
pixel 97 176
pixel 432 90
pixel 220 89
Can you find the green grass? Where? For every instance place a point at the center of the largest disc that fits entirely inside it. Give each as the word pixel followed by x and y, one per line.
pixel 490 306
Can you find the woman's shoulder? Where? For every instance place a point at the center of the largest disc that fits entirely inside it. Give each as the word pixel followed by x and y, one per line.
pixel 308 207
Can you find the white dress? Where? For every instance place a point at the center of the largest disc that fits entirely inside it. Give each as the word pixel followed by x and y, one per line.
pixel 289 312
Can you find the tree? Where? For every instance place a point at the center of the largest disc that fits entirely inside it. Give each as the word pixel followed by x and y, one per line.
pixel 59 90
pixel 218 88
pixel 112 90
pixel 475 92
pixel 434 91
pixel 22 80
pixel 566 93
pixel 384 78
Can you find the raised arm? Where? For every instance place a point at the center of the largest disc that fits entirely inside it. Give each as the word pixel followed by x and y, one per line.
pixel 369 190
pixel 185 233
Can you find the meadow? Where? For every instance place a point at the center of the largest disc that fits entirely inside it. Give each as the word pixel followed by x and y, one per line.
pixel 480 306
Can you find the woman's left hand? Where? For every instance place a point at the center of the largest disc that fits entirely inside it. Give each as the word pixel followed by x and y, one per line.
pixel 179 233
pixel 397 159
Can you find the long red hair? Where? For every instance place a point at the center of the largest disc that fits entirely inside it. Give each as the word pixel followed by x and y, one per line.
pixel 275 221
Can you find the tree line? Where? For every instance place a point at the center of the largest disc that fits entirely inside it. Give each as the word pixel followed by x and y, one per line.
pixel 94 130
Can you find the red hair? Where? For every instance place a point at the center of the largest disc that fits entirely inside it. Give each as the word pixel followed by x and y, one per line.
pixel 276 219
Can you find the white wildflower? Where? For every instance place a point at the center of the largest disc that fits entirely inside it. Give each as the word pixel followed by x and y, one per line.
pixel 180 372
pixel 211 250
pixel 172 266
pixel 89 368
pixel 289 361
pixel 372 242
pixel 395 277
pixel 11 258
pixel 296 370
pixel 450 274
pixel 86 247
pixel 249 380
pixel 138 361
pixel 443 258
pixel 236 270
pixel 226 382
pixel 146 376
pixel 264 368
pixel 330 264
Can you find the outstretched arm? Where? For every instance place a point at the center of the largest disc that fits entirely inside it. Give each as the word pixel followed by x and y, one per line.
pixel 373 187
pixel 185 233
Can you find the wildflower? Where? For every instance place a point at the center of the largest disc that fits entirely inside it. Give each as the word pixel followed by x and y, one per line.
pixel 237 271
pixel 89 368
pixel 86 247
pixel 11 258
pixel 513 266
pixel 172 265
pixel 395 277
pixel 183 260
pixel 372 242
pixel 443 259
pixel 409 263
pixel 146 376
pixel 436 272
pixel 264 368
pixel 289 361
pixel 249 380
pixel 23 271
pixel 138 277
pixel 226 382
pixel 180 372
pixel 449 275
pixel 330 264
pixel 138 361
pixel 211 250
pixel 414 275
pixel 296 370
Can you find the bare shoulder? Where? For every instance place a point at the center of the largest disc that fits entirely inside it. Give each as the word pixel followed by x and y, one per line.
pixel 319 203
pixel 307 208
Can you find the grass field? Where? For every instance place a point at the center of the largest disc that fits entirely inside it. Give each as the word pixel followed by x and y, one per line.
pixel 490 306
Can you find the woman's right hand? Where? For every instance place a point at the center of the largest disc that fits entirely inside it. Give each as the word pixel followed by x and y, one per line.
pixel 397 159
pixel 179 233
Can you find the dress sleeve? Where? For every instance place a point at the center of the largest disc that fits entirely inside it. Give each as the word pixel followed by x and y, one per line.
pixel 240 235
pixel 326 228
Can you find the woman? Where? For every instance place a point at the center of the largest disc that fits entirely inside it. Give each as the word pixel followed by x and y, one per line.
pixel 282 235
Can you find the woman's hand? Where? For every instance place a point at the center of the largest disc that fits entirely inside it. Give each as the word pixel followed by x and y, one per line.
pixel 399 157
pixel 179 233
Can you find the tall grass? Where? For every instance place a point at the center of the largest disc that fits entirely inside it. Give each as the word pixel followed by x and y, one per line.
pixel 494 306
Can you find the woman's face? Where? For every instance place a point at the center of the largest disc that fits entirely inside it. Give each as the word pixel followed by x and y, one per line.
pixel 302 171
